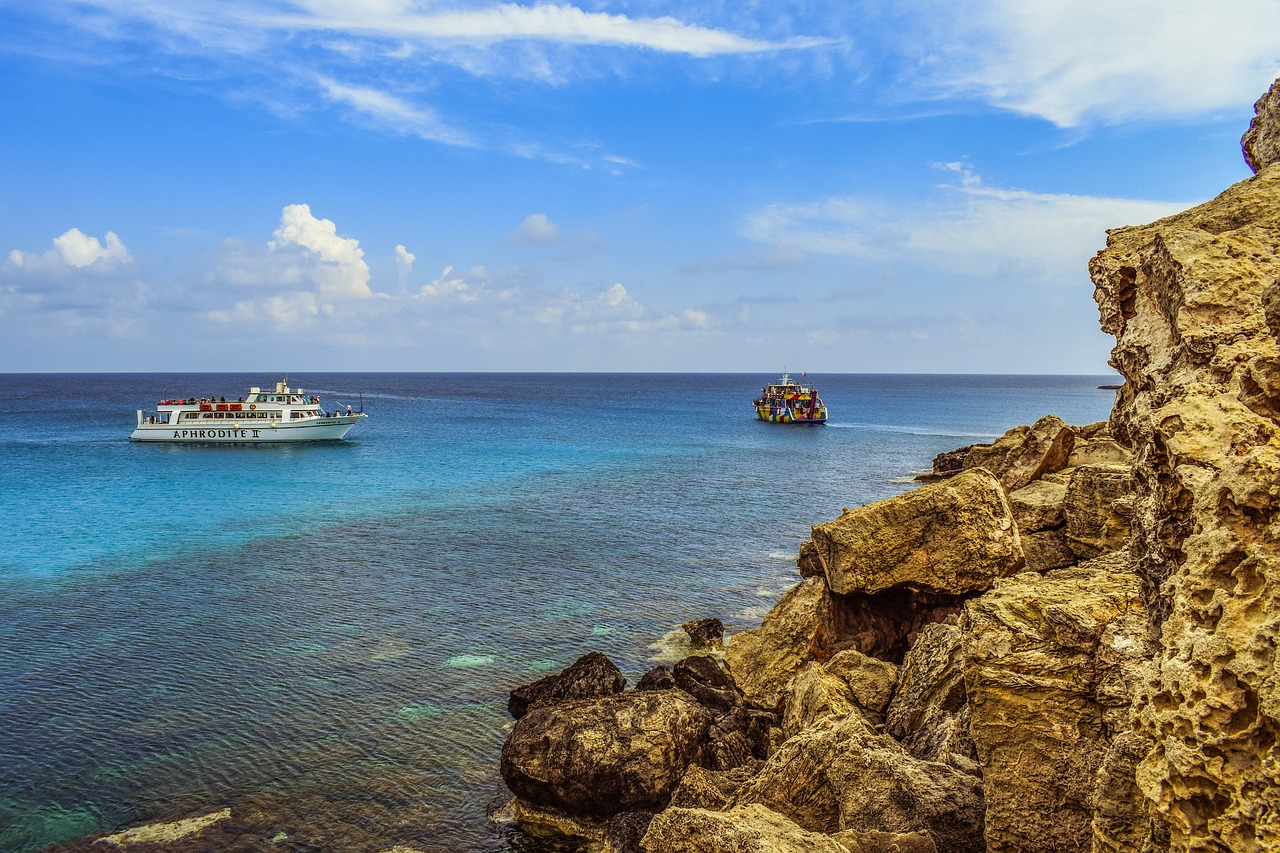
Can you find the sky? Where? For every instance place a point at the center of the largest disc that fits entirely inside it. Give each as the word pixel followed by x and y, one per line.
pixel 840 186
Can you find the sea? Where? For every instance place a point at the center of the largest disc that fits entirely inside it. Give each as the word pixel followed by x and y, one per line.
pixel 323 636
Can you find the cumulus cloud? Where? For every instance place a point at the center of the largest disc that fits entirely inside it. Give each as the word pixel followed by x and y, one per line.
pixel 74 248
pixel 536 228
pixel 404 264
pixel 340 268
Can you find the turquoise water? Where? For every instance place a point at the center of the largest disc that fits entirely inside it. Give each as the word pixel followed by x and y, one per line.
pixel 328 632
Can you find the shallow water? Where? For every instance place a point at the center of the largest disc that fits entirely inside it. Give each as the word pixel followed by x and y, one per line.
pixel 328 632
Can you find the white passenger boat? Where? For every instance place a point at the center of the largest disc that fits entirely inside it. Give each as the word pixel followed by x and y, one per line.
pixel 285 414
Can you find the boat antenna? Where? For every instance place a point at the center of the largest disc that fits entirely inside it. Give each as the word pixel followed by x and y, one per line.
pixel 362 402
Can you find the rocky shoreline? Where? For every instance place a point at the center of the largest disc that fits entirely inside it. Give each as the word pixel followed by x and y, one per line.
pixel 1065 640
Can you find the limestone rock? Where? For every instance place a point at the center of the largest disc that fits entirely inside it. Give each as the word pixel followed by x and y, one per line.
pixel 710 789
pixel 608 755
pixel 549 822
pixel 745 829
pixel 946 464
pixel 886 842
pixel 1187 298
pixel 843 776
pixel 1024 454
pixel 1050 664
pixel 1261 142
pixel 1047 550
pixel 593 674
pixel 814 695
pixel 954 537
pixel 705 634
pixel 1098 506
pixel 871 680
pixel 807 561
pixel 929 711
pixel 658 678
pixel 1038 506
pixel 765 659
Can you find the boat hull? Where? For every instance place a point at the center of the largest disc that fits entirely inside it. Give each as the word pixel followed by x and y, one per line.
pixel 325 429
pixel 789 416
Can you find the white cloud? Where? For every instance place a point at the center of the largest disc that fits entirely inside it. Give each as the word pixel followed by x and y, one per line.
pixel 558 23
pixel 340 268
pixel 1077 62
pixel 536 228
pixel 75 249
pixel 970 227
pixel 404 263
pixel 395 113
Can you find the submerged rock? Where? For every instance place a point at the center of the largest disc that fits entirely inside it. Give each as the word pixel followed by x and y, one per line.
pixel 705 634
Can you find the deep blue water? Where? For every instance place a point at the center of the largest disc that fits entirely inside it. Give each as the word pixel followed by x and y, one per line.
pixel 187 626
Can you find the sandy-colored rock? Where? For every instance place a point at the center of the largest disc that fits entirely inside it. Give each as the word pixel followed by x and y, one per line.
pixel 1186 298
pixel 547 822
pixel 1025 453
pixel 815 695
pixel 1261 142
pixel 954 536
pixel 1038 506
pixel 886 842
pixel 748 828
pixel 929 711
pixel 710 789
pixel 871 680
pixel 843 776
pixel 165 833
pixel 807 560
pixel 765 659
pixel 1097 507
pixel 1050 664
pixel 608 755
pixel 1048 550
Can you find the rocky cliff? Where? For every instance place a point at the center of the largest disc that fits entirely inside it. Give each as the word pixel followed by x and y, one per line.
pixel 1066 643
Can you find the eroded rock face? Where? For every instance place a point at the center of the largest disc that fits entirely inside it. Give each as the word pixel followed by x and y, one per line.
pixel 929 712
pixel 604 756
pixel 1050 665
pixel 1098 505
pixel 1261 142
pixel 1187 298
pixel 952 537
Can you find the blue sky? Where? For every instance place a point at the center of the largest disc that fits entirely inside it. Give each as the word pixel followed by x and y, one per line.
pixel 647 185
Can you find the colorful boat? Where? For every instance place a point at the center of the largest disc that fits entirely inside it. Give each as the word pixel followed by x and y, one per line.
pixel 285 414
pixel 789 402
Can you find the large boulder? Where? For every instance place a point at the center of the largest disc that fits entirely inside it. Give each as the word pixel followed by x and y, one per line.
pixel 1050 667
pixel 1038 506
pixel 1024 454
pixel 871 680
pixel 815 695
pixel 953 537
pixel 844 776
pixel 748 828
pixel 589 676
pixel 608 755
